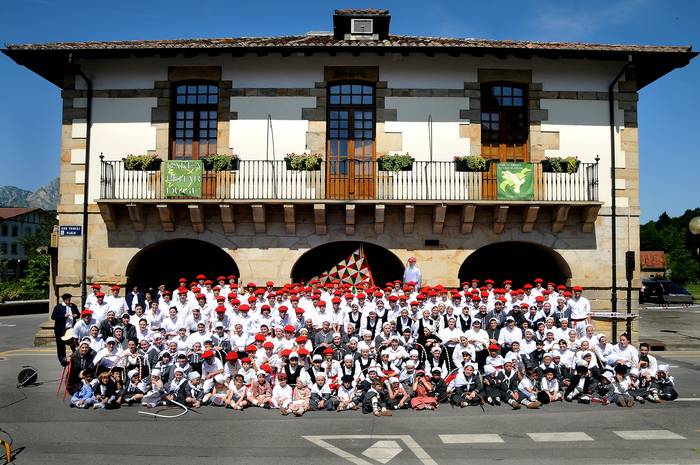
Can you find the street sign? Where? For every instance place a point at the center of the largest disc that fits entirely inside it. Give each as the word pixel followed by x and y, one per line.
pixel 65 231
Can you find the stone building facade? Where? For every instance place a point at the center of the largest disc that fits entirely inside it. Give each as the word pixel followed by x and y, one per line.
pixel 275 97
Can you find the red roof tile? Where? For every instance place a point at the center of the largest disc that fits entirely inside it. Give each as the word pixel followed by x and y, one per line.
pixel 7 213
pixel 652 260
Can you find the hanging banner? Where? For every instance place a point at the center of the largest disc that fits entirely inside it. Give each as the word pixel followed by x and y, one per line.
pixel 353 270
pixel 515 181
pixel 182 178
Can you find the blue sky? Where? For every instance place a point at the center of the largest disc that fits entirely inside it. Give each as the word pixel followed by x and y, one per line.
pixel 668 116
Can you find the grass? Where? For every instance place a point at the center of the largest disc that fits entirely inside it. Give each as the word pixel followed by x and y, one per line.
pixel 695 290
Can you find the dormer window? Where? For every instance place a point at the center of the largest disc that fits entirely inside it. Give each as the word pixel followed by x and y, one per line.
pixel 361 26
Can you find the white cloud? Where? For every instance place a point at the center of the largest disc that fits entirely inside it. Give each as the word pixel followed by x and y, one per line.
pixel 581 20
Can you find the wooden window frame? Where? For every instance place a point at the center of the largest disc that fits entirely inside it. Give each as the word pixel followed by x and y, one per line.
pixel 351 108
pixel 503 143
pixel 195 108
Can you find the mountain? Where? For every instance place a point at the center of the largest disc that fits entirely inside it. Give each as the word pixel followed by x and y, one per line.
pixel 46 197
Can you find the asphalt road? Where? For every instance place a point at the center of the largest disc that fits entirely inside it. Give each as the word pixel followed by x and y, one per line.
pixel 45 430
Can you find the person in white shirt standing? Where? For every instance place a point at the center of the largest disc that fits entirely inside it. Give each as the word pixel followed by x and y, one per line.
pixel 412 273
pixel 580 312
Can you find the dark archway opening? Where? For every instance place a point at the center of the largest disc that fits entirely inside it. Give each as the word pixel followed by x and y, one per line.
pixel 385 266
pixel 167 261
pixel 521 262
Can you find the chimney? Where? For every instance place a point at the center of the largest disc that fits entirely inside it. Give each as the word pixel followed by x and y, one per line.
pixel 361 24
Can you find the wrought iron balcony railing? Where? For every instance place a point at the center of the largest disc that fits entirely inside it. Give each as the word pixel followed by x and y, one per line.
pixel 263 180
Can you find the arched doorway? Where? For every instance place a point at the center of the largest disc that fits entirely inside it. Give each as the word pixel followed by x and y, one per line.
pixel 519 261
pixel 385 266
pixel 166 261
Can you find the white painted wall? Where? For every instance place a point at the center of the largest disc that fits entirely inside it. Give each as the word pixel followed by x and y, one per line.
pixel 412 115
pixel 249 133
pixel 584 131
pixel 441 72
pixel 120 126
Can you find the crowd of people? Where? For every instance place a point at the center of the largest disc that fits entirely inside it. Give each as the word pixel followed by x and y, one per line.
pixel 333 346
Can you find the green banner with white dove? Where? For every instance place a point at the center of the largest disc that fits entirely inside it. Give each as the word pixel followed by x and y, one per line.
pixel 516 181
pixel 183 178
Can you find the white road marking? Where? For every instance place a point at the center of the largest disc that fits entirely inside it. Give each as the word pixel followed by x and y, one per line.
pixel 412 445
pixel 470 438
pixel 648 435
pixel 560 436
pixel 688 399
pixel 383 451
pixel 5 325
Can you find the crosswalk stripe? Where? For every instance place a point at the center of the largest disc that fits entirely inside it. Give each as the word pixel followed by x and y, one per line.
pixel 560 436
pixel 646 435
pixel 470 438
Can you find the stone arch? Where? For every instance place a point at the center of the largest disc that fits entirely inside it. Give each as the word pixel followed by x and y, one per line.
pixel 164 262
pixel 385 265
pixel 520 261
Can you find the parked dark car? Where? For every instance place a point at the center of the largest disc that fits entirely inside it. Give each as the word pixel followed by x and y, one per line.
pixel 663 292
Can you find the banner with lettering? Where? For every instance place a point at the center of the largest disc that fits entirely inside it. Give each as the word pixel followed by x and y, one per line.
pixel 183 178
pixel 515 181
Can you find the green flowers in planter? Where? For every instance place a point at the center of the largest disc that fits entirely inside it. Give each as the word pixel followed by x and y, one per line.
pixel 142 163
pixel 221 162
pixel 567 165
pixel 472 163
pixel 303 162
pixel 395 162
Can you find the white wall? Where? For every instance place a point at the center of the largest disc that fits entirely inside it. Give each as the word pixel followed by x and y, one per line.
pixel 120 126
pixel 249 133
pixel 584 131
pixel 412 115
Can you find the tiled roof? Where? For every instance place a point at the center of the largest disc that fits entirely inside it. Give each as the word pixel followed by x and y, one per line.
pixel 7 213
pixel 316 41
pixel 368 11
pixel 652 260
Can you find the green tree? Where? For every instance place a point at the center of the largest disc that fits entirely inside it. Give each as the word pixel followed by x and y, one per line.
pixel 36 279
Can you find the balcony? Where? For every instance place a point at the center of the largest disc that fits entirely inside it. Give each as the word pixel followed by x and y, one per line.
pixel 266 182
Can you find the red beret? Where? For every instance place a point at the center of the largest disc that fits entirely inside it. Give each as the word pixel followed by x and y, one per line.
pixel 87 311
pixel 265 307
pixel 182 280
pixel 527 286
pixel 303 352
pixel 524 305
pixel 268 345
pixel 231 277
pixel 208 353
pixel 201 276
pixel 251 299
pixel 208 282
pixel 232 356
pixel 290 329
pixel 200 296
pixel 251 348
pixel 578 289
pixel 220 309
pixel 221 278
pixel 299 311
pixel 259 337
pixel 102 294
pixel 245 360
pixel 494 347
pixel 538 280
pixel 115 288
pixel 283 308
pixel 220 298
pixel 335 300
pixel 321 303
pixel 301 339
pixel 244 308
pixel 327 351
pixel 539 298
pixel 285 352
pixel 250 285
